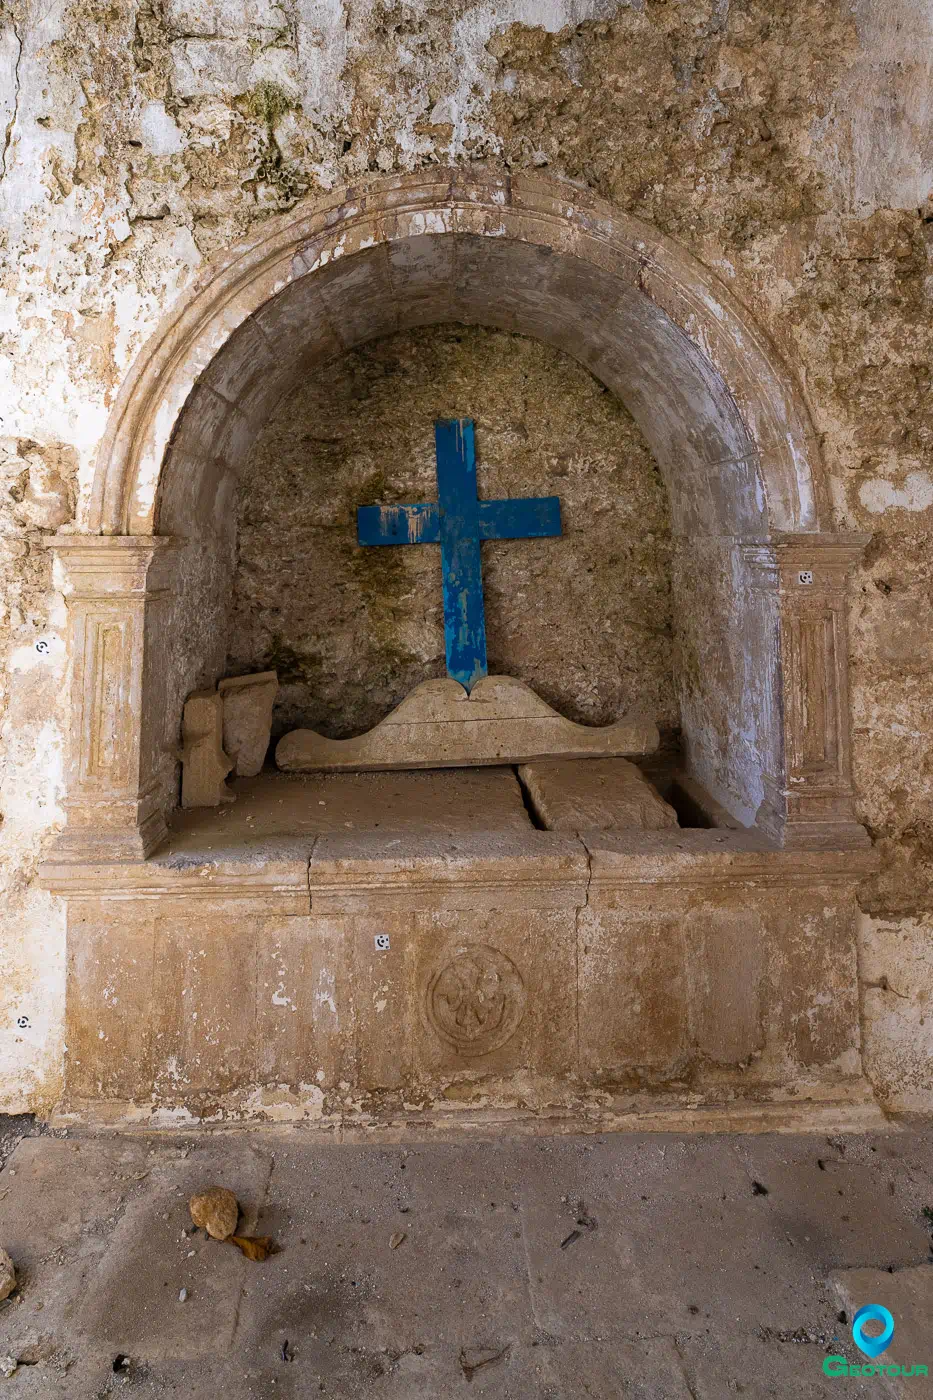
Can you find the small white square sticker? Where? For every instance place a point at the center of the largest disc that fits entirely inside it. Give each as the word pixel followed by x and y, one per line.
pixel 382 942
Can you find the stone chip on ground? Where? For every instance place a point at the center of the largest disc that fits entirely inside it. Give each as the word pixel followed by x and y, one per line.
pixel 7 1275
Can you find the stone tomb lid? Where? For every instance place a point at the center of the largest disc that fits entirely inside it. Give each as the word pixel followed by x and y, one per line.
pixel 609 794
pixel 278 807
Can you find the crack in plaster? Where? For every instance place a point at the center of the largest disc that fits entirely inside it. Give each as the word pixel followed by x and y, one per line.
pixel 14 115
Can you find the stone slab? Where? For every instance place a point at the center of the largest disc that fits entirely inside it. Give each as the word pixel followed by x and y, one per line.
pixel 782 1363
pixel 633 992
pixel 259 847
pixel 373 873
pixel 132 1304
pixel 694 857
pixel 635 1370
pixel 681 983
pixel 61 1191
pixel 607 794
pixel 835 1188
pixel 908 1296
pixel 279 805
pixel 459 1278
pixel 248 702
pixel 439 725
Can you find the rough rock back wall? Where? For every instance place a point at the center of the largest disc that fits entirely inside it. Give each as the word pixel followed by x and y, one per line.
pixel 788 146
pixel 585 621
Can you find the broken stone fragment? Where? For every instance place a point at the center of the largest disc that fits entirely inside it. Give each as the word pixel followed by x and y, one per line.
pixel 248 702
pixel 47 500
pixel 205 765
pixel 7 1275
pixel 594 794
pixel 215 1210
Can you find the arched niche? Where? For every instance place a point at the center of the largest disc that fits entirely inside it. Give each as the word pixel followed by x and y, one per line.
pixel 759 578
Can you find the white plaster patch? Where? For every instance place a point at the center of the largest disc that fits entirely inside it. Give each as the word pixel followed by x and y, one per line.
pixel 279 1105
pixel 173 1117
pixel 324 995
pixel 44 650
pixel 160 134
pixel 879 495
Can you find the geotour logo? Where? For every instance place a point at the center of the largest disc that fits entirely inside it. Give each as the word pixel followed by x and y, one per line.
pixel 872 1346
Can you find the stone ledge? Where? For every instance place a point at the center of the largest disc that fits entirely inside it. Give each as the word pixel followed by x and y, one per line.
pixel 537 870
pixel 715 857
pixel 371 871
pixel 849 1106
pixel 278 878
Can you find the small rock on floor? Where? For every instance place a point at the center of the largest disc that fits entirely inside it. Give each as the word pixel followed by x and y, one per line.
pixel 7 1275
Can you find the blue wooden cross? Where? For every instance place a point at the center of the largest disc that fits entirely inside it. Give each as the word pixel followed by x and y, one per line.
pixel 457 523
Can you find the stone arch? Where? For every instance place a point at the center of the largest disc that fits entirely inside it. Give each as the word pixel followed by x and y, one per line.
pixel 525 253
pixel 763 675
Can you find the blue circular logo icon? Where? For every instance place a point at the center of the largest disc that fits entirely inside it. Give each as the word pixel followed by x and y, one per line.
pixel 872 1346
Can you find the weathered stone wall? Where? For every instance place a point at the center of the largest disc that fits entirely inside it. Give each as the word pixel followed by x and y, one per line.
pixel 586 622
pixel 790 147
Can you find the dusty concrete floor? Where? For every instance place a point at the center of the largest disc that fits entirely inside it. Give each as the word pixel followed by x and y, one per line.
pixel 630 1265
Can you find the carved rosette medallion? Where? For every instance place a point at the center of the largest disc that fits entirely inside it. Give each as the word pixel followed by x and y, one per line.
pixel 475 1002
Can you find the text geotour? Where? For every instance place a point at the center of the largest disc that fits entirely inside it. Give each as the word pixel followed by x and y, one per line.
pixel 838 1366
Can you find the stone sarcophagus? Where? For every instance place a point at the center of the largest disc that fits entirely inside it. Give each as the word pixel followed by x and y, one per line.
pixel 635 976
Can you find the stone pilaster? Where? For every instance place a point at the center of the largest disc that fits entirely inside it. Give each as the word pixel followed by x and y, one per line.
pixel 113 793
pixel 812 803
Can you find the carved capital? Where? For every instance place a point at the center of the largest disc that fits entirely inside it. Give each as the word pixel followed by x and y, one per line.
pixel 803 567
pixel 113 566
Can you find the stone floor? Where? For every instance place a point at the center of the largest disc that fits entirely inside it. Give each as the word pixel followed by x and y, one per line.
pixel 554 1267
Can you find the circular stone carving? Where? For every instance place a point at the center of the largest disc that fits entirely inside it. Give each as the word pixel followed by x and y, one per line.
pixel 476 1001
